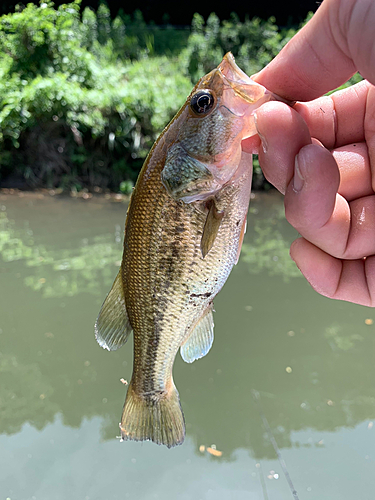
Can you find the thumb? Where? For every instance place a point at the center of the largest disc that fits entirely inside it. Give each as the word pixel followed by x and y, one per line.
pixel 338 41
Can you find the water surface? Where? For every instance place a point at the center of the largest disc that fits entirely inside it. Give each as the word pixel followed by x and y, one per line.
pixel 310 359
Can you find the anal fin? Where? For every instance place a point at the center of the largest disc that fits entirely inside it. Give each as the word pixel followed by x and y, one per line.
pixel 201 338
pixel 112 328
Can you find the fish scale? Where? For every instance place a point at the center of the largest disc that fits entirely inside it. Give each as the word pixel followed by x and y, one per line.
pixel 183 234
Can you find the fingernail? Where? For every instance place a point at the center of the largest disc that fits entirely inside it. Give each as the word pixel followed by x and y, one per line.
pixel 316 141
pixel 261 136
pixel 298 180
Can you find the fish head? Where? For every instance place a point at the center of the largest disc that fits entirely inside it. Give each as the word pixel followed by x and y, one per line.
pixel 216 117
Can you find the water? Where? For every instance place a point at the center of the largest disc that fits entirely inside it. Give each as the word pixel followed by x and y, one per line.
pixel 311 360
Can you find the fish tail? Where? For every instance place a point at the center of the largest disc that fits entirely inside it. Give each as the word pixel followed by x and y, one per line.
pixel 156 417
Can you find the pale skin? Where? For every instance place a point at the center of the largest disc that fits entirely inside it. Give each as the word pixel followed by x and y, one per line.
pixel 321 153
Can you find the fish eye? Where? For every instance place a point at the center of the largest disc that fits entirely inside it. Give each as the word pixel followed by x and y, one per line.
pixel 202 102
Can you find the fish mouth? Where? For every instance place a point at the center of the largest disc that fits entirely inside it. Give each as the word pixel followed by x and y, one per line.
pixel 243 85
pixel 239 81
pixel 232 72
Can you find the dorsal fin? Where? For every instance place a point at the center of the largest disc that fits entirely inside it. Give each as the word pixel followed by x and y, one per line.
pixel 211 228
pixel 112 328
pixel 201 338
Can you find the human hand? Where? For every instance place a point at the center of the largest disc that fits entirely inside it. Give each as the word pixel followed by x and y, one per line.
pixel 321 154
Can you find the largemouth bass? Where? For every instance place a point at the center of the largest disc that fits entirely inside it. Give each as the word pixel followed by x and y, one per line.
pixel 183 234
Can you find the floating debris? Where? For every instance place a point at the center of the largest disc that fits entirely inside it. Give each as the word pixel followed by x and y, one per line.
pixel 369 321
pixel 370 425
pixel 123 381
pixel 288 369
pixel 211 450
pixel 214 452
pixel 273 475
pixel 291 333
pixel 330 402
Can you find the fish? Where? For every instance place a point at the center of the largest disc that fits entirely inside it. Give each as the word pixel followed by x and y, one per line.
pixel 184 228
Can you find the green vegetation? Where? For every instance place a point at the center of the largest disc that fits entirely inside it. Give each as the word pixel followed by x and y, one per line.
pixel 76 107
pixel 253 43
pixel 84 96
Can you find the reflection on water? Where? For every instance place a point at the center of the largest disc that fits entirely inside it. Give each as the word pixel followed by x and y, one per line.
pixel 310 358
pixel 70 270
pixel 25 395
pixel 77 269
pixel 268 249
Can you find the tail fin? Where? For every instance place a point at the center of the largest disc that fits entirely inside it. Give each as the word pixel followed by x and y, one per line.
pixel 153 418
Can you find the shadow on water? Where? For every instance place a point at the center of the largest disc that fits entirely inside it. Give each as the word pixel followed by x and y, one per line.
pixel 311 359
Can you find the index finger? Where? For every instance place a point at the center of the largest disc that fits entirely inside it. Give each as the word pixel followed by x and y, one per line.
pixel 325 53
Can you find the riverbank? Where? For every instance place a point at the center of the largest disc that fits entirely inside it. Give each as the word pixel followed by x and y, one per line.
pixel 60 193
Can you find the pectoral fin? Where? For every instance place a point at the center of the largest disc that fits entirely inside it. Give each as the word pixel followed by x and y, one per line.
pixel 112 328
pixel 201 338
pixel 211 228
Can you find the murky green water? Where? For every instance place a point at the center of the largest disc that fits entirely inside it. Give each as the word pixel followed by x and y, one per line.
pixel 311 360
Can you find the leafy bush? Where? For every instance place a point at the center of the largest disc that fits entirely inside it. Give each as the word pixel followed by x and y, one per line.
pixel 83 96
pixel 155 40
pixel 253 43
pixel 78 115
